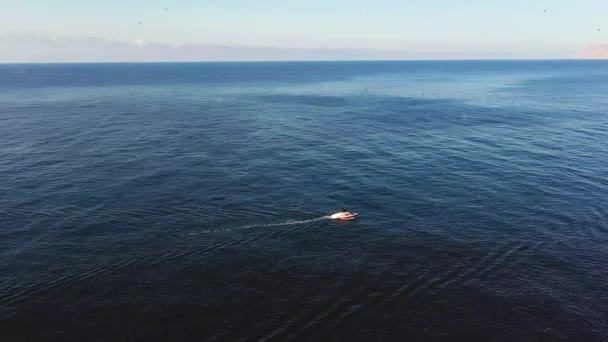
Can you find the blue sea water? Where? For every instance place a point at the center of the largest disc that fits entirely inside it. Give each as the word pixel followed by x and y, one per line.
pixel 189 201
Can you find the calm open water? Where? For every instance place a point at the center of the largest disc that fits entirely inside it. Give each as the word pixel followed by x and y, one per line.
pixel 188 201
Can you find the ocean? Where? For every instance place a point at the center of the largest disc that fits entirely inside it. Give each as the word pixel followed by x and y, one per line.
pixel 190 201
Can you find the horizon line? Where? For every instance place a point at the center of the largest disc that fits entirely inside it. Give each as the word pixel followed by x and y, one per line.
pixel 315 61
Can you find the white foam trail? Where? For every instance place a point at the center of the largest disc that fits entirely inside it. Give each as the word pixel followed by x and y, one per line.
pixel 284 223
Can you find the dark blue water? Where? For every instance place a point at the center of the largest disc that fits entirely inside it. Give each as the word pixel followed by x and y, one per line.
pixel 171 202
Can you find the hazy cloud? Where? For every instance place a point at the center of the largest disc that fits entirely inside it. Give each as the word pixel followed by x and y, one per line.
pixel 33 47
pixel 36 47
pixel 597 51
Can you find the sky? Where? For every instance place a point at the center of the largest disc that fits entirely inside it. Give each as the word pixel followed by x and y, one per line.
pixel 188 30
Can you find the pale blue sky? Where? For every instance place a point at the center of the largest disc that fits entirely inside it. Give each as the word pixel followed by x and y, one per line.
pixel 69 30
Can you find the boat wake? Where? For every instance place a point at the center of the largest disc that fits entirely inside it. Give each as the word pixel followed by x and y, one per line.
pixel 277 224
